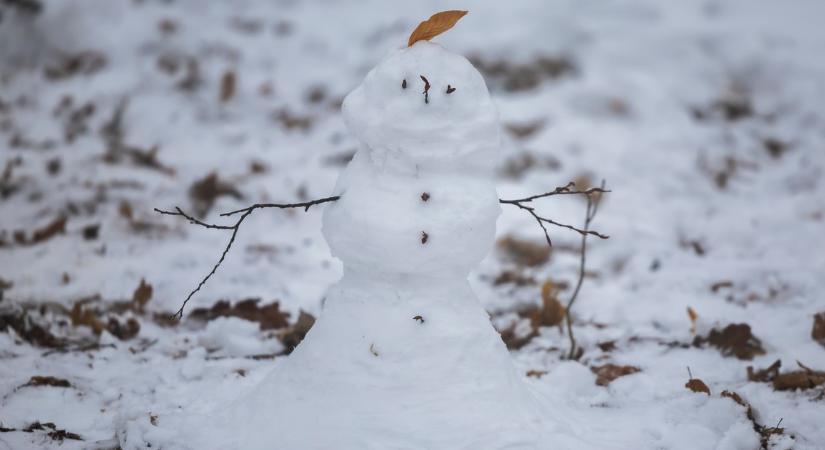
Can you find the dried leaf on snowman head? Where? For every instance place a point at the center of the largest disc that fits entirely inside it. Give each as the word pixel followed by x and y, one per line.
pixel 435 25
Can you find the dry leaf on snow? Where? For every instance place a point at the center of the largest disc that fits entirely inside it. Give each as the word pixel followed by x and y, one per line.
pixel 435 25
pixel 818 330
pixel 607 373
pixel 697 385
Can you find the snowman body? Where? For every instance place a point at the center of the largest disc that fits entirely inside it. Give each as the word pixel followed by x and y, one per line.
pixel 403 356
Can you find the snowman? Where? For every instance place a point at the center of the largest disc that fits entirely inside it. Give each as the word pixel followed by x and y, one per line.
pixel 403 356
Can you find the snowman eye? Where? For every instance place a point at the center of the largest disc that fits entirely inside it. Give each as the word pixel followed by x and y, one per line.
pixel 450 89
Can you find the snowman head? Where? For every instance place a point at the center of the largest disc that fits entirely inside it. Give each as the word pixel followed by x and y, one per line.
pixel 426 105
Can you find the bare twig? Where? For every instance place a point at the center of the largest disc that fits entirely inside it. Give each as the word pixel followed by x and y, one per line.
pixel 245 212
pixel 569 189
pixel 592 208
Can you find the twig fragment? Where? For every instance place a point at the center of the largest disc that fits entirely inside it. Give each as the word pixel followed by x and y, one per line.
pixel 592 208
pixel 426 89
pixel 245 212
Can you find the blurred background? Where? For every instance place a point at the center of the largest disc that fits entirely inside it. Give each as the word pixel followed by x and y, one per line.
pixel 704 117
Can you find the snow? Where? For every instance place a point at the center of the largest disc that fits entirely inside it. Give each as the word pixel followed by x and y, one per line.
pixel 642 72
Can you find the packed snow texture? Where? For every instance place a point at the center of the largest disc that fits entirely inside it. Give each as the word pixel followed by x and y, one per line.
pixel 705 117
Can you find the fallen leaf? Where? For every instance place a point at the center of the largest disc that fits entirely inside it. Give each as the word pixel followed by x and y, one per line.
pixel 606 373
pixel 806 378
pixel 296 333
pixel 81 316
pixel 697 385
pixel 693 317
pixel 227 86
pixel 818 330
pixel 607 346
pixel 764 375
pixel 47 381
pixel 29 330
pixel 551 312
pixel 525 130
pixel 205 191
pixel 536 373
pixel 435 25
pixel 513 277
pixel 513 340
pixel 268 316
pixel 524 252
pixel 53 228
pixel 734 340
pixel 141 296
pixel 124 331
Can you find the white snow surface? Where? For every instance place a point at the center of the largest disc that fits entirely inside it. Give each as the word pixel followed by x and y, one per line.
pixel 697 199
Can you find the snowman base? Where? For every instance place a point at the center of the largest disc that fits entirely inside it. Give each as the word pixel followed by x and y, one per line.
pixel 393 365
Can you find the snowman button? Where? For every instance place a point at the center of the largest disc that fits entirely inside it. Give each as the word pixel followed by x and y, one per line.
pixel 425 196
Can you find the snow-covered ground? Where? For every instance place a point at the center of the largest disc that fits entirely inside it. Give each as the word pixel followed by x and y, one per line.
pixel 706 118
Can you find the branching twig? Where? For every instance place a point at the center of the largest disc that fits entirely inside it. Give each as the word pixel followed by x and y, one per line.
pixel 245 213
pixel 569 189
pixel 592 208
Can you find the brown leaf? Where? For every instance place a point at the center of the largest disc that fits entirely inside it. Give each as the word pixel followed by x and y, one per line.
pixel 435 25
pixel 765 375
pixel 697 385
pixel 513 340
pixel 525 130
pixel 47 381
pixel 81 316
pixel 142 295
pixel 29 330
pixel 734 340
pixel 693 317
pixel 227 86
pixel 524 252
pixel 513 277
pixel 551 312
pixel 536 373
pixel 818 330
pixel 205 191
pixel 806 378
pixel 605 374
pixel 268 316
pixel 125 331
pixel 296 333
pixel 53 228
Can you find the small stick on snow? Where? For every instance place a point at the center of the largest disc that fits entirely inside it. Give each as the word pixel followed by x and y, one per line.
pixel 450 89
pixel 426 89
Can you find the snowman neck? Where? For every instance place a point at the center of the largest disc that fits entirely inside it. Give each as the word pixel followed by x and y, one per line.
pixel 399 162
